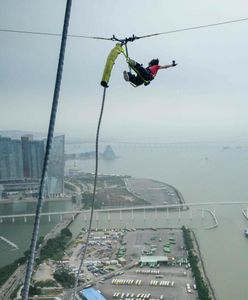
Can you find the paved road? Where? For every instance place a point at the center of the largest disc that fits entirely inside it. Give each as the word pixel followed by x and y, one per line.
pixel 18 276
pixel 69 293
pixel 130 208
pixel 12 283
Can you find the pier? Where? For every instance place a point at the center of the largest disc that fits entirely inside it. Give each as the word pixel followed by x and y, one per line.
pixel 9 242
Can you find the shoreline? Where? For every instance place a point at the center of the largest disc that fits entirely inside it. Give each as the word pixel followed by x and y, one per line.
pixel 202 266
pixel 33 200
pixel 65 223
pixel 13 281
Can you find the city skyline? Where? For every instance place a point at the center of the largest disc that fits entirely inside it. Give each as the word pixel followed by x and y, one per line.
pixel 23 159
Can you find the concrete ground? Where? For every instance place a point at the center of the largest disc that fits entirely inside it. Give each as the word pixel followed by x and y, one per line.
pixel 142 240
pixel 152 191
pixel 164 282
pixel 170 287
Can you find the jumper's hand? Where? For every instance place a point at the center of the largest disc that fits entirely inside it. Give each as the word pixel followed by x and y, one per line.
pixel 173 63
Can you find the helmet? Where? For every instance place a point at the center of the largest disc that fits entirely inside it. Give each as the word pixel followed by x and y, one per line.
pixel 153 62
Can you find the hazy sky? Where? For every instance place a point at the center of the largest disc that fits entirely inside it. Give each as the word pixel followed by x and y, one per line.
pixel 205 96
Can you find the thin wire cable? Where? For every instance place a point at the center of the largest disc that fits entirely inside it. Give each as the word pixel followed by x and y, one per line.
pixel 135 37
pixel 194 28
pixel 93 196
pixel 35 234
pixel 53 34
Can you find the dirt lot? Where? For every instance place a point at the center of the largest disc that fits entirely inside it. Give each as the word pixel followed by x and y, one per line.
pixel 153 192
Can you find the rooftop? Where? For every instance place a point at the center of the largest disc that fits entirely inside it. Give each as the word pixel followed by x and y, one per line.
pixel 153 259
pixel 91 294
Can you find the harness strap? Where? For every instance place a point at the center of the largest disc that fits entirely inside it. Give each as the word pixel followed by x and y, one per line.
pixel 146 82
pixel 130 70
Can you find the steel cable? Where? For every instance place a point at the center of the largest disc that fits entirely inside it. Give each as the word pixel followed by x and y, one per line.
pixel 133 38
pixel 35 233
pixel 194 28
pixel 53 34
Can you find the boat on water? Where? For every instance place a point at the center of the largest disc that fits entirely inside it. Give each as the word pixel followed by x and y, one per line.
pixel 246 232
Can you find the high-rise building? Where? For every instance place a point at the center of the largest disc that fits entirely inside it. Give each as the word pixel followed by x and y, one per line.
pixel 23 159
pixel 55 179
pixel 1 191
pixel 11 163
pixel 33 155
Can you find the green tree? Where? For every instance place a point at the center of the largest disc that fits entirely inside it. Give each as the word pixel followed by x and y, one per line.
pixel 54 248
pixel 74 199
pixel 66 232
pixel 33 290
pixel 202 288
pixel 66 279
pixel 87 201
pixel 46 283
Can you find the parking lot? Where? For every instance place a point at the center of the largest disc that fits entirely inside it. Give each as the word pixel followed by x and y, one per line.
pixel 168 280
pixel 140 242
pixel 171 283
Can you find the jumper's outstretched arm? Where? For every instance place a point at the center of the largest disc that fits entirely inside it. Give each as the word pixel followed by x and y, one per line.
pixel 169 66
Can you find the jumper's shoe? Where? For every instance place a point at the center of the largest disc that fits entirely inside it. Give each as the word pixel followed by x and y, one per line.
pixel 126 76
pixel 131 62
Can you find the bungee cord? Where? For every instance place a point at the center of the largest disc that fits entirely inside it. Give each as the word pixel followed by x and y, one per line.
pixel 84 250
pixel 30 263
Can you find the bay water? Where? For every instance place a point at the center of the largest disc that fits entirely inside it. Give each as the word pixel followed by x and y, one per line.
pixel 201 175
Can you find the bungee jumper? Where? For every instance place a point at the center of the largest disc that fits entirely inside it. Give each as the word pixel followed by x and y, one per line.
pixel 144 75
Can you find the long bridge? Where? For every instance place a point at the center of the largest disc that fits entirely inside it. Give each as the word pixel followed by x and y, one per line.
pixel 168 144
pixel 180 207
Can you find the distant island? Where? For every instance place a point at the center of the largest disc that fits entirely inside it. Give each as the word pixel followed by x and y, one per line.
pixel 108 154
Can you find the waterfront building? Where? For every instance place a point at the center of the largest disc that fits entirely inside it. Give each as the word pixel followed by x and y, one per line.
pixel 1 191
pixel 33 155
pixel 21 163
pixel 11 162
pixel 153 259
pixel 55 180
pixel 90 294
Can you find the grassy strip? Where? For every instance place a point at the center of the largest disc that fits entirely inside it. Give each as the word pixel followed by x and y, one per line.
pixel 202 288
pixel 54 248
pixel 7 271
pixel 65 278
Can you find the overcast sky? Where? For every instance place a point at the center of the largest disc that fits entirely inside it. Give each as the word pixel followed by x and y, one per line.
pixel 204 97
